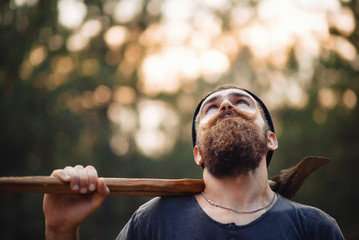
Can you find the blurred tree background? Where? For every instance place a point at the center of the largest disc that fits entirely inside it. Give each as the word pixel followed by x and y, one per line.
pixel 113 83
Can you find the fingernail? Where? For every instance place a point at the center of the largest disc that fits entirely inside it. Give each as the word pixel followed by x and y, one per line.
pixel 83 190
pixel 92 187
pixel 75 187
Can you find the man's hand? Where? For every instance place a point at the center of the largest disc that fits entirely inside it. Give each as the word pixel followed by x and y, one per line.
pixel 65 212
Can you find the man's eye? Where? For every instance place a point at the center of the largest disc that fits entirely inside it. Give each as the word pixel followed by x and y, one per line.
pixel 211 107
pixel 242 102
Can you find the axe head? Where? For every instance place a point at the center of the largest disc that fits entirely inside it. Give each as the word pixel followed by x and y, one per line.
pixel 288 181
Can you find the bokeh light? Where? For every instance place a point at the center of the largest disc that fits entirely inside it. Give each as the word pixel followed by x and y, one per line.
pixel 71 13
pixel 190 43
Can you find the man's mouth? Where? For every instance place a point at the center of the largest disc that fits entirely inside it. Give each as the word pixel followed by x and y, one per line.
pixel 227 114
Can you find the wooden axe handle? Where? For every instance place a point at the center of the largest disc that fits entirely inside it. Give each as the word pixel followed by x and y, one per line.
pixel 286 183
pixel 117 186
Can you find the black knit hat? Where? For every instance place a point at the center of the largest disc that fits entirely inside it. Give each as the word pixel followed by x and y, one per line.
pixel 265 110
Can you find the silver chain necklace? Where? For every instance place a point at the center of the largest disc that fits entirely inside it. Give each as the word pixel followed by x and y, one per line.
pixel 236 210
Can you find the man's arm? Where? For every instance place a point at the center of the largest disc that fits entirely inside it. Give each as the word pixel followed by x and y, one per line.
pixel 65 212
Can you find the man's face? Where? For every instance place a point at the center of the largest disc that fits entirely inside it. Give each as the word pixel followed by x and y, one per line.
pixel 231 133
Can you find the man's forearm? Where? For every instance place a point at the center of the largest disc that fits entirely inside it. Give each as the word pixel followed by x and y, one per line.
pixel 61 234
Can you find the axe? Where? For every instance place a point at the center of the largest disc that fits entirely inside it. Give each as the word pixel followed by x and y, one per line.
pixel 286 183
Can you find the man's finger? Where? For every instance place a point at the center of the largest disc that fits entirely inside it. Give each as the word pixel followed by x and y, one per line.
pixel 83 178
pixel 102 188
pixel 60 173
pixel 92 178
pixel 75 179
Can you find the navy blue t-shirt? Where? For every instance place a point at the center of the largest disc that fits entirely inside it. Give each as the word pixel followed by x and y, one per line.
pixel 181 218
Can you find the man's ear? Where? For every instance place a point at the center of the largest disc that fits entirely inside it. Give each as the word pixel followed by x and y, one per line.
pixel 197 156
pixel 272 143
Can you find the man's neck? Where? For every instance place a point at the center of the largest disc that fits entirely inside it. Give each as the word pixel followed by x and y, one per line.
pixel 245 193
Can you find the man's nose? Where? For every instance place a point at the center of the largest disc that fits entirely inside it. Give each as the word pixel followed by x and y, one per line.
pixel 226 105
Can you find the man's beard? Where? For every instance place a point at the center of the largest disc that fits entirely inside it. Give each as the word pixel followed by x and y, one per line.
pixel 232 147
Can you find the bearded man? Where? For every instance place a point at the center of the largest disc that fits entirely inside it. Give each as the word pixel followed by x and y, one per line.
pixel 234 139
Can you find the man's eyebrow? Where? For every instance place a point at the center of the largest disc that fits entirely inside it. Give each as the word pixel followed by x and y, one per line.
pixel 212 99
pixel 237 94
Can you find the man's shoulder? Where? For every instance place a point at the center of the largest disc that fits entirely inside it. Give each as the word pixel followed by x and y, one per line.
pixel 301 210
pixel 160 205
pixel 312 220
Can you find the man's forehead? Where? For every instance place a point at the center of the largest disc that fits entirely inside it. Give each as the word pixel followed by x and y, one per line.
pixel 227 92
